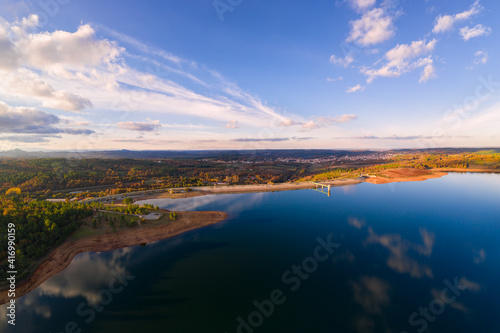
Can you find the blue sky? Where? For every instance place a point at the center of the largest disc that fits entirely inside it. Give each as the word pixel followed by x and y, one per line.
pixel 249 74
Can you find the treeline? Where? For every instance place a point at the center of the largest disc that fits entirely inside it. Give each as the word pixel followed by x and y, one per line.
pixel 132 209
pixel 49 178
pixel 417 161
pixel 39 226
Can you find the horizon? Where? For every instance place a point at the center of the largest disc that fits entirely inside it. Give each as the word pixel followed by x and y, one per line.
pixel 242 150
pixel 368 75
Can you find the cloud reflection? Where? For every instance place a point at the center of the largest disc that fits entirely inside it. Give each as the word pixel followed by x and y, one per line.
pixel 371 293
pixel 79 279
pixel 399 259
pixel 82 280
pixel 232 203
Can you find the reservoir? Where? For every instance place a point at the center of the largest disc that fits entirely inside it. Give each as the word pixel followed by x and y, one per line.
pixel 401 257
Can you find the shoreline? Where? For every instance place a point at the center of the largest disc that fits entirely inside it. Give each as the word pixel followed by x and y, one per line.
pixel 60 257
pixel 234 189
pixel 421 175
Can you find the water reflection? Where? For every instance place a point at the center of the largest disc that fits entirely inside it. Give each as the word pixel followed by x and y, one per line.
pixel 79 281
pixel 371 293
pixel 230 203
pixel 399 248
pixel 383 272
pixel 479 256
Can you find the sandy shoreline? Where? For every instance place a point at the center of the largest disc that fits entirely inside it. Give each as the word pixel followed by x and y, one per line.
pixel 404 175
pixel 206 190
pixel 59 258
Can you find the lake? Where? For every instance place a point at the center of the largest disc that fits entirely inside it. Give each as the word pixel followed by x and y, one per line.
pixel 402 257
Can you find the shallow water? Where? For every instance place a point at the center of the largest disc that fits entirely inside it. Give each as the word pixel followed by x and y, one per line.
pixel 412 257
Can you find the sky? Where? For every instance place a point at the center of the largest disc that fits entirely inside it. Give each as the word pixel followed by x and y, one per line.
pixel 249 74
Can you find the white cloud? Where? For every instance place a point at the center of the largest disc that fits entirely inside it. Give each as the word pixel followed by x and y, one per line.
pixel 319 122
pixel 93 72
pixel 232 124
pixel 143 47
pixel 446 22
pixel 480 58
pixel 71 50
pixel 429 73
pixel 399 55
pixel 346 61
pixel 329 79
pixel 23 82
pixel 22 120
pixel 345 118
pixel 362 4
pixel 354 89
pixel 479 30
pixel 60 69
pixel 403 59
pixel 149 126
pixel 60 53
pixel 374 27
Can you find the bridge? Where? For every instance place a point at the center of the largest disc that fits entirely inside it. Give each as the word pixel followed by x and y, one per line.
pixel 322 188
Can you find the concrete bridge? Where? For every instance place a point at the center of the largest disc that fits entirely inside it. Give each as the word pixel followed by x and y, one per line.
pixel 322 188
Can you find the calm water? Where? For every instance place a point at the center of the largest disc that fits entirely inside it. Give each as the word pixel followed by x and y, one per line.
pixel 405 257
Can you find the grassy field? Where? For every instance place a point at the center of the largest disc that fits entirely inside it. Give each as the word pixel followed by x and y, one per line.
pixel 86 229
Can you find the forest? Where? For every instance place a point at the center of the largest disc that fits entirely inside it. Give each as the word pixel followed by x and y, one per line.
pixel 38 225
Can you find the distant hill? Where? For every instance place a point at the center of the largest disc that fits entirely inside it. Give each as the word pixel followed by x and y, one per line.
pixel 225 154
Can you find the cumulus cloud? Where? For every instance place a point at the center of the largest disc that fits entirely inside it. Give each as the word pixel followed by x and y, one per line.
pixel 345 62
pixel 24 54
pixel 329 79
pixel 149 126
pixel 446 22
pixel 22 120
pixel 354 89
pixel 428 73
pixel 23 82
pixel 61 48
pixel 374 27
pixel 479 30
pixel 403 59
